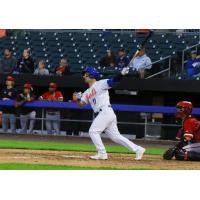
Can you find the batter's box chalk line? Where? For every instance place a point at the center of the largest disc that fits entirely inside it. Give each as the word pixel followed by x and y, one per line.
pixel 67 156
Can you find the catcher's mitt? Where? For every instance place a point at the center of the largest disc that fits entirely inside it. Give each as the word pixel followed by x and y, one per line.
pixel 169 154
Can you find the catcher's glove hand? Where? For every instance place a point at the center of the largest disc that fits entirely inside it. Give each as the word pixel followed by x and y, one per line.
pixel 169 154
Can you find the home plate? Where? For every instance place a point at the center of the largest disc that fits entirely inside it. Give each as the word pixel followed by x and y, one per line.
pixel 66 156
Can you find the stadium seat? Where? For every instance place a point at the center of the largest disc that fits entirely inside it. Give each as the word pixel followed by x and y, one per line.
pixel 83 48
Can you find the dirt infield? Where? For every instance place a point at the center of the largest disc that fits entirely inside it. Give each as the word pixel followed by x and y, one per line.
pixel 71 158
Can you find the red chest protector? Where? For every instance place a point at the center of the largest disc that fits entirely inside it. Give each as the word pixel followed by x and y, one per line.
pixel 190 128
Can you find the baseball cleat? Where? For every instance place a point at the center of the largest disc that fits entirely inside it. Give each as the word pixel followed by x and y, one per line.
pixel 99 157
pixel 139 154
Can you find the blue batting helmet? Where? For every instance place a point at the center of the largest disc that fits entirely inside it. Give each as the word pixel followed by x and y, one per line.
pixel 93 73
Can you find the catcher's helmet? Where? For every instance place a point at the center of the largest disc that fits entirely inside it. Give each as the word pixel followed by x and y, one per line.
pixel 93 73
pixel 184 108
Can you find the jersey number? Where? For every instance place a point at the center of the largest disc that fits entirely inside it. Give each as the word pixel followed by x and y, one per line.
pixel 94 101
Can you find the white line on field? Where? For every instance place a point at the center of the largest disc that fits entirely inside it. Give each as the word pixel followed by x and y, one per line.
pixel 23 157
pixel 36 157
pixel 66 156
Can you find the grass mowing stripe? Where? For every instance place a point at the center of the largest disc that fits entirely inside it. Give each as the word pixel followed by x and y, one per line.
pixel 22 166
pixel 35 145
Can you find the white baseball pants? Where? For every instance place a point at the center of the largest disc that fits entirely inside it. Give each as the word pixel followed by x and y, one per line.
pixel 106 121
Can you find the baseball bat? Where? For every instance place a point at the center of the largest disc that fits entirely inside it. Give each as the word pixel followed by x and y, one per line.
pixel 141 45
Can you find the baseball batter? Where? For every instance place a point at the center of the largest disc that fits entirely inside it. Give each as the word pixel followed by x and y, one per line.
pixel 105 119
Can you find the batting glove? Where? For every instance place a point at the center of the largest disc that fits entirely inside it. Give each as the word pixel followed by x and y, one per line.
pixel 78 95
pixel 125 71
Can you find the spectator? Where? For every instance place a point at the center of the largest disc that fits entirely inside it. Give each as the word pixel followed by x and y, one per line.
pixel 41 70
pixel 52 115
pixel 8 62
pixel 193 64
pixel 9 113
pixel 141 63
pixel 25 64
pixel 109 60
pixel 122 60
pixel 26 113
pixel 63 67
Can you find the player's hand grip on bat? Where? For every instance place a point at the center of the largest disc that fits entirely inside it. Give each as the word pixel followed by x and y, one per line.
pixel 113 81
pixel 125 71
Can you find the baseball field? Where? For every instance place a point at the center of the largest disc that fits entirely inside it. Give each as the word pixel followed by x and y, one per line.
pixel 32 152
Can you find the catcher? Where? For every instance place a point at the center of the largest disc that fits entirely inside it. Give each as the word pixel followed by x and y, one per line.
pixel 188 147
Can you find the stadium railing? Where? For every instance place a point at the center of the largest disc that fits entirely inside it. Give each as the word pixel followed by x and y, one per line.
pixel 167 70
pixel 117 107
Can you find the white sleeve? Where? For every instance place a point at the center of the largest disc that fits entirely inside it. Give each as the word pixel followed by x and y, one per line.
pixel 148 63
pixel 84 97
pixel 103 84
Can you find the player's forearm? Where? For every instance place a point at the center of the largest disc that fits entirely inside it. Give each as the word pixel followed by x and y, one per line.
pixel 117 78
pixel 113 81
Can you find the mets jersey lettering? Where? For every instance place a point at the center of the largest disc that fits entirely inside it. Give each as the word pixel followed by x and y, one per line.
pixel 97 95
pixel 92 94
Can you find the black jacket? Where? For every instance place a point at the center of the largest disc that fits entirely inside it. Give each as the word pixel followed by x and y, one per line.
pixel 25 65
pixel 10 94
pixel 22 98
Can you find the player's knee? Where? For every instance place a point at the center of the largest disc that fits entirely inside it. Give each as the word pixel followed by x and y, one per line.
pixel 93 132
pixel 114 139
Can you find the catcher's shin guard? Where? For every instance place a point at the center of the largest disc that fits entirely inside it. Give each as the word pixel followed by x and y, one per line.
pixel 193 156
pixel 187 155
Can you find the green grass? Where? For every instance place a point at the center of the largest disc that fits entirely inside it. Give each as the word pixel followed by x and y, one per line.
pixel 55 146
pixel 21 166
pixel 35 145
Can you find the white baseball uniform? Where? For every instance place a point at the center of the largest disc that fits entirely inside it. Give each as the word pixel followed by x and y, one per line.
pixel 98 97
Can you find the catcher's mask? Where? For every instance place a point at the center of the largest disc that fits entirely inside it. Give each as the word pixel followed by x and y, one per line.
pixel 183 109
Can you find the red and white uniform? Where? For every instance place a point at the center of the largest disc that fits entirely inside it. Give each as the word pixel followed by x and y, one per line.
pixel 56 96
pixel 52 115
pixel 191 129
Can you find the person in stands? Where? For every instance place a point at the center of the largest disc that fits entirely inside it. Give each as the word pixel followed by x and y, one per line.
pixel 25 64
pixel 41 70
pixel 63 68
pixel 8 62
